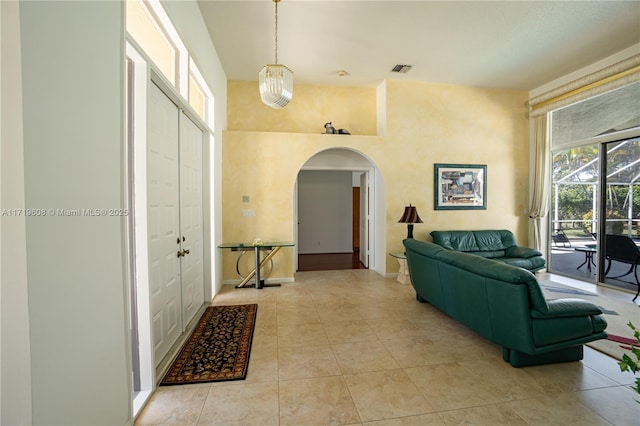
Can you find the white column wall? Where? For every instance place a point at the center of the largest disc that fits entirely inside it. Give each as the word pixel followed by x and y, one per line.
pixel 64 329
pixel 73 96
pixel 15 357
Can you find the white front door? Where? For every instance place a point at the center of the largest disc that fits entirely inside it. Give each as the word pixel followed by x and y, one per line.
pixel 191 227
pixel 163 221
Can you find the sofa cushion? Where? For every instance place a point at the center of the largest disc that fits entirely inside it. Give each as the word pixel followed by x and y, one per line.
pixel 567 307
pixel 556 330
pixel 599 323
pixel 485 267
pixel 491 254
pixel 536 262
pixel 496 244
pixel 489 240
pixel 525 252
pixel 452 240
pixel 520 262
pixel 470 241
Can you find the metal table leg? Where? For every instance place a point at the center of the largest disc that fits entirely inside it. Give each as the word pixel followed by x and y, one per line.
pixel 256 272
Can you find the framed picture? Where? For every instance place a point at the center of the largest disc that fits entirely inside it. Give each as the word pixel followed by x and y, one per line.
pixel 460 187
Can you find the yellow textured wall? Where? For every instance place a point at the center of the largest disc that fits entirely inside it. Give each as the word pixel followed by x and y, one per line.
pixel 434 123
pixel 351 108
pixel 426 124
pixel 265 166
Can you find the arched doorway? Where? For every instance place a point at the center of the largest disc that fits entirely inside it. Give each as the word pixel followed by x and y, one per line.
pixel 335 200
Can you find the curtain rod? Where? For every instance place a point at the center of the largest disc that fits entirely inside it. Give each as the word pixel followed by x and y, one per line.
pixel 587 87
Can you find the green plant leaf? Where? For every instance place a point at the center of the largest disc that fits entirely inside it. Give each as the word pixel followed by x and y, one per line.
pixel 628 364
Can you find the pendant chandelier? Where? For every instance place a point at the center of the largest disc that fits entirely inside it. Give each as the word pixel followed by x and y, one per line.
pixel 276 80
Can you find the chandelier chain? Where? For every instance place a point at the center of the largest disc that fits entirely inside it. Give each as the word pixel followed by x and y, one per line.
pixel 275 80
pixel 276 2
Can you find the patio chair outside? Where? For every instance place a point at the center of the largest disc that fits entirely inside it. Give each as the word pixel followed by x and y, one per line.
pixel 560 239
pixel 621 248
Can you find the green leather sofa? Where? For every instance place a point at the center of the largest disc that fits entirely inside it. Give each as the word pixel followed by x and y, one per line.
pixel 504 304
pixel 498 245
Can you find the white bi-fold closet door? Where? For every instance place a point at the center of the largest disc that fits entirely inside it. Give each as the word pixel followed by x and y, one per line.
pixel 175 228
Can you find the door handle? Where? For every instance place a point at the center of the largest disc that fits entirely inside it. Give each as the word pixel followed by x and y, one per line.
pixel 180 254
pixel 185 252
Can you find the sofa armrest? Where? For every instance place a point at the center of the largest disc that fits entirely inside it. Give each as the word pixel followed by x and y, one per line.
pixel 567 308
pixel 524 252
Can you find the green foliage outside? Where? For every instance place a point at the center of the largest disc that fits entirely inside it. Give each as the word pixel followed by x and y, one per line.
pixel 628 363
pixel 575 174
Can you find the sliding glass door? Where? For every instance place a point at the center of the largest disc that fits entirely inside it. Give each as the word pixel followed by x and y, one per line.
pixel 573 213
pixel 620 205
pixel 589 182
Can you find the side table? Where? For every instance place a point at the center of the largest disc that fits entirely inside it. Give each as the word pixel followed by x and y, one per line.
pixel 589 250
pixel 271 248
pixel 403 272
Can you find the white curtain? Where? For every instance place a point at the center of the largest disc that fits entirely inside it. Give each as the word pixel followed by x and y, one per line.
pixel 539 207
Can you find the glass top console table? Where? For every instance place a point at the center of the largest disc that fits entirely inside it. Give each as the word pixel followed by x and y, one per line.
pixel 403 271
pixel 271 248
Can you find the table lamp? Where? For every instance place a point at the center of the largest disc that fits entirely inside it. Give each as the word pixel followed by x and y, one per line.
pixel 410 216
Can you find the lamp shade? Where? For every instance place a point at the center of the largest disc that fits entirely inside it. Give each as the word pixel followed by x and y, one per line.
pixel 276 85
pixel 410 215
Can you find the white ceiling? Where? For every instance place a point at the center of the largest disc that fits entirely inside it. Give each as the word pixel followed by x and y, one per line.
pixel 503 44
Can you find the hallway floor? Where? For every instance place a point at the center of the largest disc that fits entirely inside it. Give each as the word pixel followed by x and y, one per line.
pixel 329 262
pixel 352 348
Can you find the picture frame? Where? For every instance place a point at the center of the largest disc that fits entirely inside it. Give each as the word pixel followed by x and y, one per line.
pixel 460 186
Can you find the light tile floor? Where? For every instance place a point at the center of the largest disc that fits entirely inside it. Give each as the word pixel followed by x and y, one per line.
pixel 354 348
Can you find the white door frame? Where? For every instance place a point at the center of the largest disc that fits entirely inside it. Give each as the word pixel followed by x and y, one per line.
pixel 369 171
pixel 144 74
pixel 140 259
pixel 364 221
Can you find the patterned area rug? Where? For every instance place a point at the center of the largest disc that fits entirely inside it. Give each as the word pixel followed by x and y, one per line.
pixel 617 313
pixel 218 349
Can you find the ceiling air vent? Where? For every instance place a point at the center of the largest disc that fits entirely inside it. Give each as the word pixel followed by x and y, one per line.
pixel 402 68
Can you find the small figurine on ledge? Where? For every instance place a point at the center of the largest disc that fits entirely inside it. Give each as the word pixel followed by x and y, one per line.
pixel 330 130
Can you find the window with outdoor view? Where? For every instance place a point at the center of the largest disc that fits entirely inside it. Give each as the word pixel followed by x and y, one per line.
pixel 584 191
